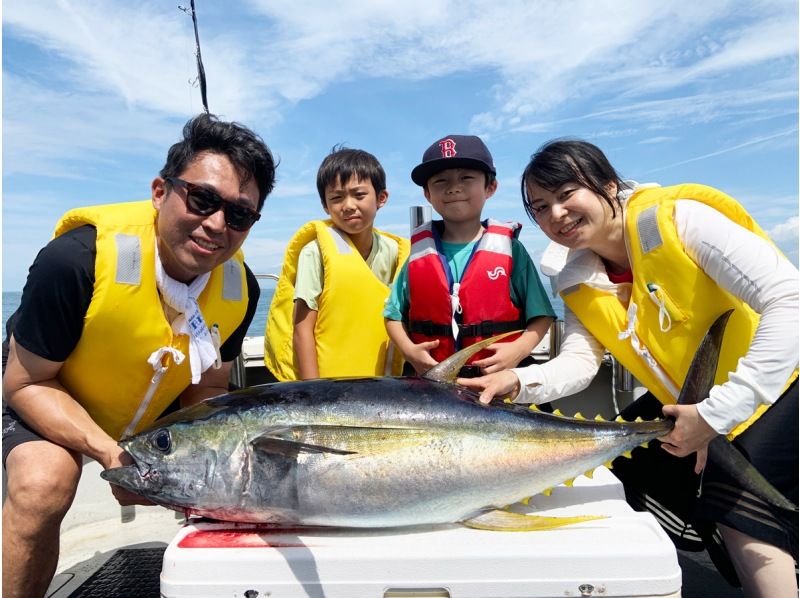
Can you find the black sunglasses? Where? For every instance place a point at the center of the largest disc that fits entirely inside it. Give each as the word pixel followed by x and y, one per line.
pixel 202 201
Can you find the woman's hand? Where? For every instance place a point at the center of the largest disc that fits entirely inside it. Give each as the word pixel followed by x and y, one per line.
pixel 503 357
pixel 500 384
pixel 690 434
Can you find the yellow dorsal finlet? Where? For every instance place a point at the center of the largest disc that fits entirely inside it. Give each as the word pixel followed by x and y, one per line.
pixel 578 415
pixel 558 412
pixel 599 418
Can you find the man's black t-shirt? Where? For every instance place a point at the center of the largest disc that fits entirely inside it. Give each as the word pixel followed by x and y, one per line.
pixel 56 297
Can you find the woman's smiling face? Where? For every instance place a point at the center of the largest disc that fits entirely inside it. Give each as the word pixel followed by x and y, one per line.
pixel 571 215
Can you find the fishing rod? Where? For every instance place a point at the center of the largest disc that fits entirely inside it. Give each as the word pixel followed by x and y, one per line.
pixel 201 72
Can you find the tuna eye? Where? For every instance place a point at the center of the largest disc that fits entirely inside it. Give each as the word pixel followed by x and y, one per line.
pixel 162 441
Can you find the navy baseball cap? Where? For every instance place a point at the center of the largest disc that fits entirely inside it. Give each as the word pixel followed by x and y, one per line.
pixel 453 151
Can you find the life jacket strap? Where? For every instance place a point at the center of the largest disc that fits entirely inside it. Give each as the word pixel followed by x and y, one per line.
pixel 486 328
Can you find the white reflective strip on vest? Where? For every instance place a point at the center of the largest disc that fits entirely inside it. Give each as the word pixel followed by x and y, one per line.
pixel 129 259
pixel 338 238
pixel 231 281
pixel 641 351
pixel 647 227
pixel 495 243
pixel 421 248
pixel 423 227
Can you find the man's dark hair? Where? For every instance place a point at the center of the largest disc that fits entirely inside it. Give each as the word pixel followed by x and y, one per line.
pixel 344 163
pixel 571 161
pixel 246 150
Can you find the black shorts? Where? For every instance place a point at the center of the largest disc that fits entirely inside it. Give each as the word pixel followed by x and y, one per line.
pixel 689 506
pixel 15 432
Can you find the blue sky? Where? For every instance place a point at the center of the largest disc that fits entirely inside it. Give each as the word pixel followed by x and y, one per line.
pixel 94 92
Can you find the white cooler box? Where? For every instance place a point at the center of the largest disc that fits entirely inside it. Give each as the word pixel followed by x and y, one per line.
pixel 626 554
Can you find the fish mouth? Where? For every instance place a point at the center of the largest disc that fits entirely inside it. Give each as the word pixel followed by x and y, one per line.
pixel 132 477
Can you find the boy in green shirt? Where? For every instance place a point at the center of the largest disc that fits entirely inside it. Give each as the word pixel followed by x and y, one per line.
pixel 466 279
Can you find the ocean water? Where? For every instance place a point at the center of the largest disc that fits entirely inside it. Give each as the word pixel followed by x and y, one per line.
pixel 11 301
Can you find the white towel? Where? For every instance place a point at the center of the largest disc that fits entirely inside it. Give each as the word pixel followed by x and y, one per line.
pixel 183 298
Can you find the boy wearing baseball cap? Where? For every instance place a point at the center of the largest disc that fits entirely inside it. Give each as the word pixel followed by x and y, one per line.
pixel 466 279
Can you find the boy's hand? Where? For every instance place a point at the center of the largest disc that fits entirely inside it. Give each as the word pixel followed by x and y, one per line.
pixel 419 356
pixel 506 356
pixel 499 384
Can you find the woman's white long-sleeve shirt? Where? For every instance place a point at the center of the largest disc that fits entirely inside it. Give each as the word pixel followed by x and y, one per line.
pixel 740 262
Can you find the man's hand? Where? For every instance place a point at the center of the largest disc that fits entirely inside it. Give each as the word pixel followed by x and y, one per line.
pixel 690 434
pixel 499 384
pixel 119 458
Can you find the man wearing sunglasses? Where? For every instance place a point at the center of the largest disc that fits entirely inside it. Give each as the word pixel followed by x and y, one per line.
pixel 129 308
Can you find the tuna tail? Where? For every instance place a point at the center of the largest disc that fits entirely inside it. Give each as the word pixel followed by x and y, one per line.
pixel 447 370
pixel 727 457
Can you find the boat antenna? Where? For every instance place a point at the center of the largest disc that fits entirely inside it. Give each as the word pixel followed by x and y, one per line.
pixel 201 72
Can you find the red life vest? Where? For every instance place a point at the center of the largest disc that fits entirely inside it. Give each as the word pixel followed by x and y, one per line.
pixel 461 314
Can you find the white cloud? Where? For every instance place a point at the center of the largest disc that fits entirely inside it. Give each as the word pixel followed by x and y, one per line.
pixel 109 82
pixel 545 53
pixel 758 141
pixel 786 231
pixel 787 238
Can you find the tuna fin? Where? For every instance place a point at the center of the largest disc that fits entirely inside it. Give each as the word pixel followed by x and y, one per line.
pixel 698 383
pixel 447 370
pixel 700 376
pixel 507 521
pixel 291 448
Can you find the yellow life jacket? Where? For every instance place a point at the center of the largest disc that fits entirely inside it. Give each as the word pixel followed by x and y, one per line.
pixel 107 372
pixel 673 302
pixel 351 338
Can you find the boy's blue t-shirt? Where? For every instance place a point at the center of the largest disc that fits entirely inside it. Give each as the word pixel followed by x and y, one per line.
pixel 527 292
